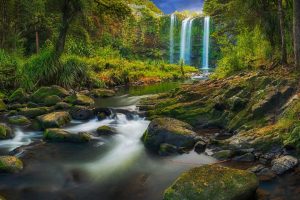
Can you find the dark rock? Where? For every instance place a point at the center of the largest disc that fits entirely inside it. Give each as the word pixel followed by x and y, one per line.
pixel 248 157
pixel 223 154
pixel 6 132
pixel 167 149
pixel 62 106
pixel 106 130
pixel 200 147
pixel 60 135
pixel 81 113
pixel 19 120
pixel 103 113
pixel 52 100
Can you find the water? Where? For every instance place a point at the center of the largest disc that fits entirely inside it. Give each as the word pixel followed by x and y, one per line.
pixel 205 56
pixel 183 38
pixel 172 26
pixel 188 50
pixel 111 167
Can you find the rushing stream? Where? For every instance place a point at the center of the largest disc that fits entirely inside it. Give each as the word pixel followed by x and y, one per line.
pixel 111 167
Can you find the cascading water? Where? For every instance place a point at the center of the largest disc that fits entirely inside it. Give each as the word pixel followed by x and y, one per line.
pixel 205 61
pixel 183 41
pixel 188 50
pixel 172 27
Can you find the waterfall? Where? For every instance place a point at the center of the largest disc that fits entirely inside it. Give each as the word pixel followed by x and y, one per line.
pixel 189 42
pixel 205 64
pixel 172 25
pixel 183 38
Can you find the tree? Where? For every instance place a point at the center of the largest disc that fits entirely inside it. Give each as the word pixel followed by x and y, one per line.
pixel 296 31
pixel 282 33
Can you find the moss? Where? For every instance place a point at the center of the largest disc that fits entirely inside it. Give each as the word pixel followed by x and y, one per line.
pixel 52 100
pixel 2 106
pixel 59 135
pixel 54 120
pixel 10 164
pixel 79 99
pixel 19 120
pixel 40 95
pixel 33 112
pixel 102 93
pixel 105 130
pixel 5 132
pixel 212 182
pixel 18 96
pixel 223 155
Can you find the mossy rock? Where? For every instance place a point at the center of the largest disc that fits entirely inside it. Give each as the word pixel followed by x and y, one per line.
pixel 62 106
pixel 19 96
pixel 81 113
pixel 52 100
pixel 106 130
pixel 60 135
pixel 223 154
pixel 40 95
pixel 213 182
pixel 6 132
pixel 80 99
pixel 102 93
pixel 34 112
pixel 2 95
pixel 2 106
pixel 169 131
pixel 54 120
pixel 167 149
pixel 19 120
pixel 10 164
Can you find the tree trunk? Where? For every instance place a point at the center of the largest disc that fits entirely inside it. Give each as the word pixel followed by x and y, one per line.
pixel 282 31
pixel 37 41
pixel 297 33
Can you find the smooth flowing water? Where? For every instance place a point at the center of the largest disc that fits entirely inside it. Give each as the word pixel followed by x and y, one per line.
pixel 183 40
pixel 206 36
pixel 112 167
pixel 188 50
pixel 172 43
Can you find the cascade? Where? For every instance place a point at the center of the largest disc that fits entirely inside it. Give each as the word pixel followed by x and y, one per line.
pixel 205 56
pixel 189 42
pixel 183 37
pixel 172 25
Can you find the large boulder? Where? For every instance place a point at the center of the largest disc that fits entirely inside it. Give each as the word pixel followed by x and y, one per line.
pixel 80 99
pixel 10 164
pixel 19 120
pixel 106 130
pixel 19 96
pixel 2 106
pixel 54 120
pixel 103 113
pixel 102 93
pixel 81 113
pixel 60 135
pixel 283 164
pixel 40 95
pixel 169 131
pixel 33 112
pixel 6 132
pixel 212 182
pixel 52 100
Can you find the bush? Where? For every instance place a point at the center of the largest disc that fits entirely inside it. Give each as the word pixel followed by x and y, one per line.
pixel 8 70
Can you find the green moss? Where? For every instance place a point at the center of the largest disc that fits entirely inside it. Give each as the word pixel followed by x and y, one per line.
pixel 10 164
pixel 102 93
pixel 212 182
pixel 79 99
pixel 33 112
pixel 52 100
pixel 5 132
pixel 19 120
pixel 2 106
pixel 40 95
pixel 59 135
pixel 105 130
pixel 54 120
pixel 19 96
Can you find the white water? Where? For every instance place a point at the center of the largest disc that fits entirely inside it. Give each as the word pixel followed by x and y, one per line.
pixel 189 42
pixel 172 26
pixel 205 61
pixel 183 39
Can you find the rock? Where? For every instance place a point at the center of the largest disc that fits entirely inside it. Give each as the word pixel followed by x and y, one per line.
pixel 248 157
pixel 6 132
pixel 40 95
pixel 167 149
pixel 80 99
pixel 52 100
pixel 54 120
pixel 238 104
pixel 283 164
pixel 33 112
pixel 213 182
pixel 106 130
pixel 16 106
pixel 60 135
pixel 256 168
pixel 10 164
pixel 18 96
pixel 200 147
pixel 81 113
pixel 102 93
pixel 62 106
pixel 266 174
pixel 19 120
pixel 103 113
pixel 223 154
pixel 169 131
pixel 32 104
pixel 2 106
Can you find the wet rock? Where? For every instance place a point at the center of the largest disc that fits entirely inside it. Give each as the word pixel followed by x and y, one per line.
pixel 81 113
pixel 62 106
pixel 18 96
pixel 266 174
pixel 103 113
pixel 106 130
pixel 200 147
pixel 52 100
pixel 102 93
pixel 60 135
pixel 248 157
pixel 283 164
pixel 223 154
pixel 6 132
pixel 42 93
pixel 167 149
pixel 213 182
pixel 33 112
pixel 169 131
pixel 256 168
pixel 54 120
pixel 222 135
pixel 80 99
pixel 2 106
pixel 19 120
pixel 237 104
pixel 10 164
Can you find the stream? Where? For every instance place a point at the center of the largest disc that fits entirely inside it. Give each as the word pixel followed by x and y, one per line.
pixel 111 167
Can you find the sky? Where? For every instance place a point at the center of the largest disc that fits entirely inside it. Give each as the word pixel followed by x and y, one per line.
pixel 169 6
